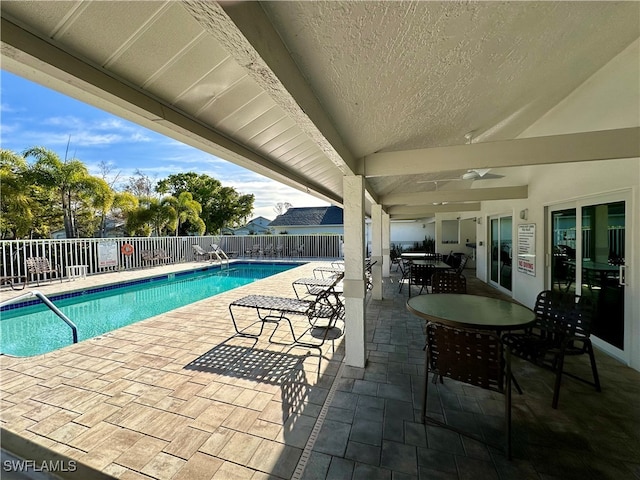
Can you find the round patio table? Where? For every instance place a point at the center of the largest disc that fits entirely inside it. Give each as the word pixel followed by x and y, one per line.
pixel 471 311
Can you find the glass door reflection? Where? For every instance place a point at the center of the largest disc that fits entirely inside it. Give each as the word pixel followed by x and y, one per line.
pixel 603 253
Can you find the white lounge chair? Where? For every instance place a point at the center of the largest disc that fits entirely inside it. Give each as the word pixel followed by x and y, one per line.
pixel 201 253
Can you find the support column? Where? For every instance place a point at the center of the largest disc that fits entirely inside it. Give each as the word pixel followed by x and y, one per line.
pixel 386 245
pixel 354 282
pixel 376 251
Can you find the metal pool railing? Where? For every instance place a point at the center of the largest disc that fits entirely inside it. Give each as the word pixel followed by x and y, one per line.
pixel 43 298
pixel 104 255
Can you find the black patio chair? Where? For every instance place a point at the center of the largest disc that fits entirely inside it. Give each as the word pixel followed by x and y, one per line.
pixel 420 276
pixel 562 328
pixel 444 281
pixel 475 357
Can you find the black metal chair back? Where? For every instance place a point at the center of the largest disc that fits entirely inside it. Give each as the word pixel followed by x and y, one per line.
pixel 420 276
pixel 448 282
pixel 474 357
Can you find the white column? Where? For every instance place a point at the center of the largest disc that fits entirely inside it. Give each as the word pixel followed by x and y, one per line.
pixel 354 282
pixel 376 251
pixel 386 245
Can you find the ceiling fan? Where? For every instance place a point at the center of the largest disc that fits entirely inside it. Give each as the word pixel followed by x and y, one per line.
pixel 479 174
pixel 472 174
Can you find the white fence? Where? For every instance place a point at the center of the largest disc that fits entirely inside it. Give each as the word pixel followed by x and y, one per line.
pixel 102 255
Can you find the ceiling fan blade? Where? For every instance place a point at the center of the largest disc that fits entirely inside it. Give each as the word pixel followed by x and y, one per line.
pixel 481 171
pixel 490 176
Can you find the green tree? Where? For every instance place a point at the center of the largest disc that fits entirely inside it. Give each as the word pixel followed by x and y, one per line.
pixel 96 200
pixel 187 210
pixel 16 204
pixel 152 216
pixel 229 208
pixel 71 181
pixel 163 217
pixel 221 206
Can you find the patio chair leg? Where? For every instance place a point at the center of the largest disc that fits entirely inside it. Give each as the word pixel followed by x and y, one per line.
pixel 559 365
pixel 594 368
pixel 516 384
pixel 425 389
pixel 509 377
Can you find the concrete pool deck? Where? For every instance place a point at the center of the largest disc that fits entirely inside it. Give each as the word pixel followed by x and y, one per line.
pixel 178 396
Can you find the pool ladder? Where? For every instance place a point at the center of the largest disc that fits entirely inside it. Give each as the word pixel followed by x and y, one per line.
pixel 220 254
pixel 52 307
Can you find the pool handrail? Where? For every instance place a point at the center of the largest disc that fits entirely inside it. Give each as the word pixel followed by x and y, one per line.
pixel 217 251
pixel 43 298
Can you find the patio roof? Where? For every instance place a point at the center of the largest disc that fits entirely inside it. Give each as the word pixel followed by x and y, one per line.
pixel 411 95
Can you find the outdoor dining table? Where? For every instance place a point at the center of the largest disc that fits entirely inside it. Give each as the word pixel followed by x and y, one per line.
pixel 475 312
pixel 471 311
pixel 419 256
pixel 435 264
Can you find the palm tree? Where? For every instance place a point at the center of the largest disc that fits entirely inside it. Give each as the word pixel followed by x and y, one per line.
pixel 162 216
pixel 187 209
pixel 16 204
pixel 68 178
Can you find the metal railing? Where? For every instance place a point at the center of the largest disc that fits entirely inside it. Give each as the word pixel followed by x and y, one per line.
pixel 104 255
pixel 43 298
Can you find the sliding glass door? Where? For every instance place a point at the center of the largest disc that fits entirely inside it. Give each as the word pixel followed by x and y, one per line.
pixel 501 253
pixel 589 240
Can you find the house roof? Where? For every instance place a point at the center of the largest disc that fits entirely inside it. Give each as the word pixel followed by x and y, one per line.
pixel 257 220
pixel 309 216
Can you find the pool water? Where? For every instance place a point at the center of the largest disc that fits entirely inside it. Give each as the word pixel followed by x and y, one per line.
pixel 34 329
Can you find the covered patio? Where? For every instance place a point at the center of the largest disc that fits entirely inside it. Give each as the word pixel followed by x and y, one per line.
pixel 178 396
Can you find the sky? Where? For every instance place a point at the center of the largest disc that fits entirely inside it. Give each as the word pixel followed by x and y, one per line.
pixel 34 116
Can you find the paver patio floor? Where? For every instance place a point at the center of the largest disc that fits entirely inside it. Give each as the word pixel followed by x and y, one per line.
pixel 179 396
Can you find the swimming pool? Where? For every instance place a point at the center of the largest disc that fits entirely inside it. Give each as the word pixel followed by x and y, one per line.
pixel 30 328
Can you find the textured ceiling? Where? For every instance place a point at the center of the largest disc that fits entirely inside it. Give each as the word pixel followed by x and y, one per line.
pixel 404 75
pixel 306 92
pixel 407 75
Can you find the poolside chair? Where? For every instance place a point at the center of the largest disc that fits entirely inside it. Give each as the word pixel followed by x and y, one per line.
pixel 161 256
pixel 322 313
pixel 269 251
pixel 200 252
pixel 148 257
pixel 37 266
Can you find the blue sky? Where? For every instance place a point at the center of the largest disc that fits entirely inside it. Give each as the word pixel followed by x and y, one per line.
pixel 32 115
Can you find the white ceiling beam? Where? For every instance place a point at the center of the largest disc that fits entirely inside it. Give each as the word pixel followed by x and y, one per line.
pixel 573 147
pixel 426 210
pixel 471 195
